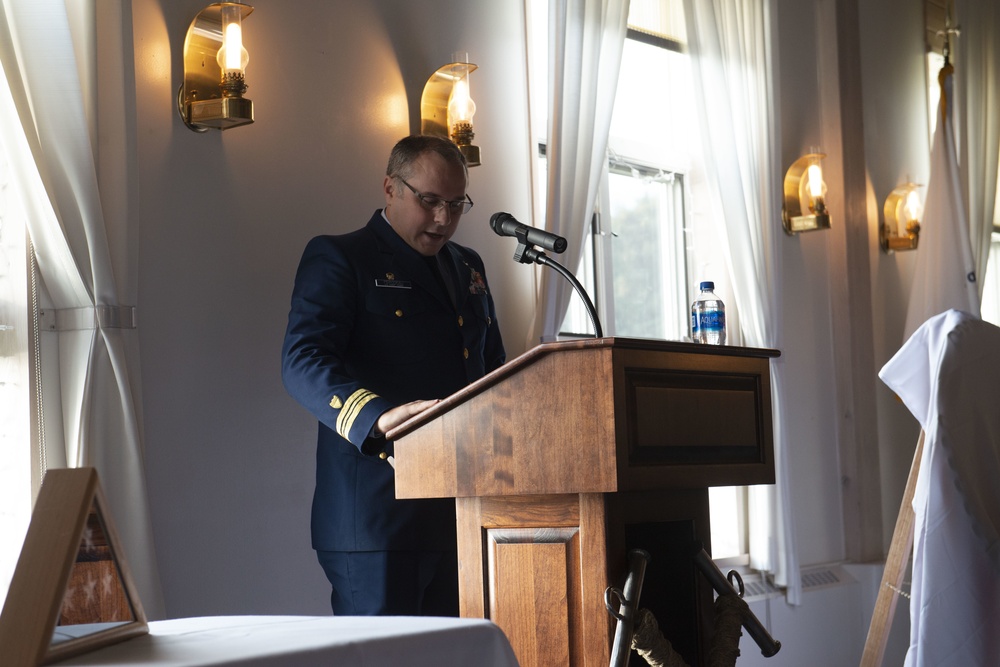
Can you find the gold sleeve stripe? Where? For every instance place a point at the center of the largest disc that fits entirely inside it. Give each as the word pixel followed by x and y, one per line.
pixel 351 410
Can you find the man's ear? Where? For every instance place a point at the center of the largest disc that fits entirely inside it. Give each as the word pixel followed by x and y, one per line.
pixel 389 188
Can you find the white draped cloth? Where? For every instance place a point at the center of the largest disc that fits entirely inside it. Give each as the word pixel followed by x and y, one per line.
pixel 948 375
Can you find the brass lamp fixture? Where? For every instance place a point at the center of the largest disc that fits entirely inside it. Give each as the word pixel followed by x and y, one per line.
pixel 804 208
pixel 900 228
pixel 215 61
pixel 447 108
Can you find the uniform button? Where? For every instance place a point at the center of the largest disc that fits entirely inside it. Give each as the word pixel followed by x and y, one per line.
pixel 383 455
pixel 489 321
pixel 399 313
pixel 460 321
pixel 465 352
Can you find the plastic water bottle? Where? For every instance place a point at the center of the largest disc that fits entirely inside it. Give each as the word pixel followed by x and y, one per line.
pixel 708 317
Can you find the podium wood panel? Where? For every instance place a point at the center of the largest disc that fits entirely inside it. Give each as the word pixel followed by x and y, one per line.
pixel 529 580
pixel 537 567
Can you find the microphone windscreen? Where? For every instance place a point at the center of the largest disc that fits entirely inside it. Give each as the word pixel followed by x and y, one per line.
pixel 497 220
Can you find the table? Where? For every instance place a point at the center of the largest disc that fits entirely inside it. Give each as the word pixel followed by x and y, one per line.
pixel 279 641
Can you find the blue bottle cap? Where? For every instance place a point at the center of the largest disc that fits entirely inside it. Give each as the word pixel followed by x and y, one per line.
pixel 707 285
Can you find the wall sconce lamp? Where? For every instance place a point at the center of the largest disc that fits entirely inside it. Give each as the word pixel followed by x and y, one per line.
pixel 215 62
pixel 447 108
pixel 900 228
pixel 804 208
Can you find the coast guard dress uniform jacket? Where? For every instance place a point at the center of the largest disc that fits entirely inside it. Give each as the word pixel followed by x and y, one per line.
pixel 371 326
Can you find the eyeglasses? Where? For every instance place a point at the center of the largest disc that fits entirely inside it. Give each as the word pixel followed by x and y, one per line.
pixel 432 203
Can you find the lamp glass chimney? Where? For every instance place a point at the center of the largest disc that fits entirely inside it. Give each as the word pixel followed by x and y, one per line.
pixel 461 107
pixel 232 57
pixel 912 207
pixel 814 179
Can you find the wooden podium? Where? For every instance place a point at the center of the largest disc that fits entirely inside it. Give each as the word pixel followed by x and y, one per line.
pixel 575 452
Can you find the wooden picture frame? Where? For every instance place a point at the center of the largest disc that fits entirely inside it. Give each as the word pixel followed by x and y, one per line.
pixel 72 591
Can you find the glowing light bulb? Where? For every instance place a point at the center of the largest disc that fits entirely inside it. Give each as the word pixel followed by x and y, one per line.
pixel 814 178
pixel 232 57
pixel 912 206
pixel 815 188
pixel 461 108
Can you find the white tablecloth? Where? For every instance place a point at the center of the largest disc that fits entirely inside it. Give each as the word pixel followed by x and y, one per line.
pixel 287 641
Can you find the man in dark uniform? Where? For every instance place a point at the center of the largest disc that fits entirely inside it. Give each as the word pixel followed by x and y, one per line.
pixel 384 322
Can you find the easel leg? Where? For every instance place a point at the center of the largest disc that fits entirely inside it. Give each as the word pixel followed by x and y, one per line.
pixel 895 569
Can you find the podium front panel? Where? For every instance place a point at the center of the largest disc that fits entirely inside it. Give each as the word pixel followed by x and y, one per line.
pixel 692 419
pixel 537 567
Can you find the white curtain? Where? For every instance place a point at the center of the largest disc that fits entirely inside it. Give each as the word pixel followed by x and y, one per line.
pixel 733 50
pixel 84 154
pixel 977 74
pixel 586 38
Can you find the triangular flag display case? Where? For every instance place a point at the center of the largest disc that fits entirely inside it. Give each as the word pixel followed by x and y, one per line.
pixel 72 591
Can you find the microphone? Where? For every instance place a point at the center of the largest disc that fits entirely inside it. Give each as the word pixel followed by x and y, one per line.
pixel 505 224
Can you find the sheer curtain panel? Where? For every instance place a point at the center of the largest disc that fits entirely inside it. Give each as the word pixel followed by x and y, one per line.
pixel 52 51
pixel 733 51
pixel 585 50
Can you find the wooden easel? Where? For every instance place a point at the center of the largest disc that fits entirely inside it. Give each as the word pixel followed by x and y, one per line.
pixel 895 569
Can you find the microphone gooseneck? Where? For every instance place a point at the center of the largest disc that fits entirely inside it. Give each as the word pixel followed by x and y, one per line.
pixel 504 224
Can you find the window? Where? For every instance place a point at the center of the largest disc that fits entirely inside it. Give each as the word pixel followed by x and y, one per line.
pixel 648 246
pixel 634 265
pixel 646 212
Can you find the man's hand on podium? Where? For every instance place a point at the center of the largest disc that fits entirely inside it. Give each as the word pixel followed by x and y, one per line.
pixel 392 418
